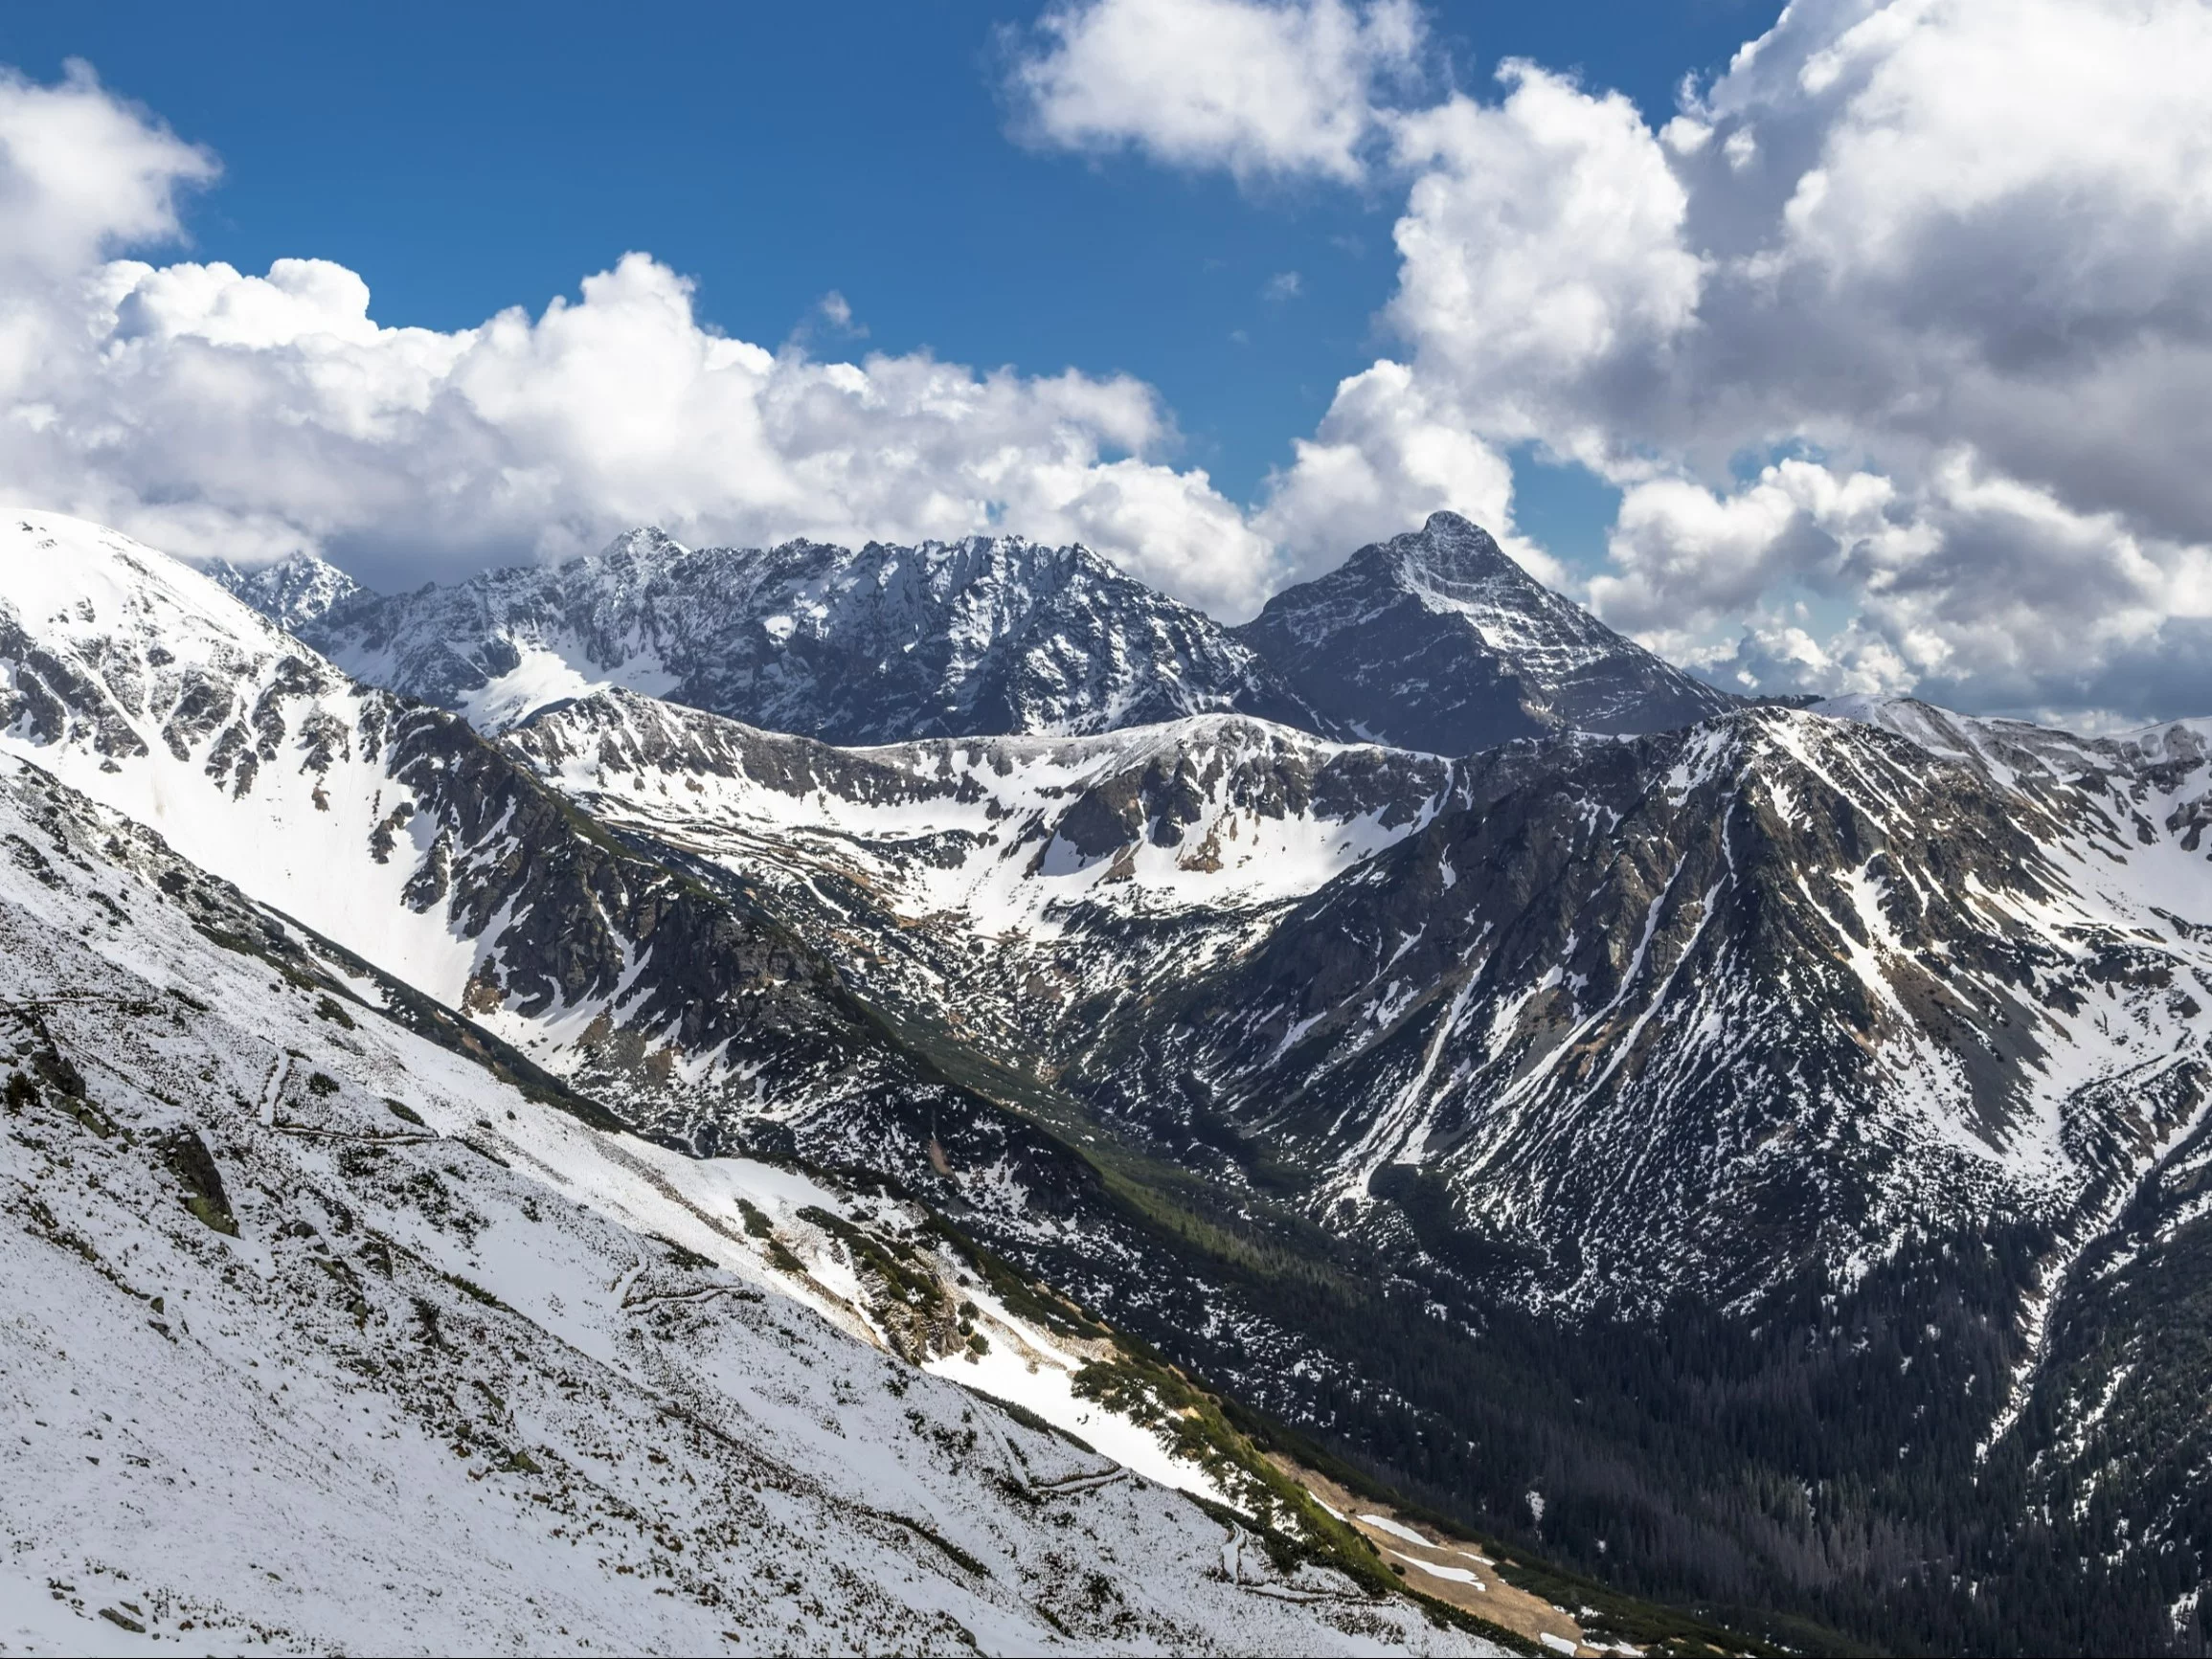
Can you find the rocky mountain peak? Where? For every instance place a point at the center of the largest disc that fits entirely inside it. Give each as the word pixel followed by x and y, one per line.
pixel 296 590
pixel 1436 639
pixel 645 548
pixel 1448 552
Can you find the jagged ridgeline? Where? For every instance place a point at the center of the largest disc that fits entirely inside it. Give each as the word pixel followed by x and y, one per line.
pixel 1750 1154
pixel 1434 641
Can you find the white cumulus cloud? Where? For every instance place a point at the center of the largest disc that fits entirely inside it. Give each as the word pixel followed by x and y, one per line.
pixel 1261 87
pixel 1543 273
pixel 1894 338
pixel 1907 316
pixel 215 412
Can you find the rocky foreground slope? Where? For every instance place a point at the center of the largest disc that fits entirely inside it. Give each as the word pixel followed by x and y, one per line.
pixel 330 1325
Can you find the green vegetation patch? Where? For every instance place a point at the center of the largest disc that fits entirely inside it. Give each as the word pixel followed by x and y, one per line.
pixel 680 1257
pixel 901 1267
pixel 188 1161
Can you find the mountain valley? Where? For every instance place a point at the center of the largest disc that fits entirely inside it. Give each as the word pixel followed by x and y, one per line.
pixel 1751 1157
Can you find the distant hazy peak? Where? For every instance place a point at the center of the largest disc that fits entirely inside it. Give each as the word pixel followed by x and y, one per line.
pixel 294 590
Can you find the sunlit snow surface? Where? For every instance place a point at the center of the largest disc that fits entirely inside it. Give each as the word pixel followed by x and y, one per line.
pixel 492 1382
pixel 155 643
pixel 971 826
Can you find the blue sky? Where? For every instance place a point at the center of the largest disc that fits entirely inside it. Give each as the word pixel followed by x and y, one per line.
pixel 468 158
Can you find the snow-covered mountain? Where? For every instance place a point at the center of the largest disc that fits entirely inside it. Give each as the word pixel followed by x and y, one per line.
pixel 1762 1158
pixel 294 593
pixel 1027 885
pixel 319 1335
pixel 1705 1008
pixel 988 635
pixel 1437 640
pixel 1785 1010
pixel 1585 985
pixel 1434 641
pixel 395 831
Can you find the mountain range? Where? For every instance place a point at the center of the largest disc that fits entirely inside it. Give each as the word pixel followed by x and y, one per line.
pixel 1434 641
pixel 1753 1157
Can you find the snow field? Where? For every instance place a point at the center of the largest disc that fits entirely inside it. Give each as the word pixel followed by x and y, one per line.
pixel 445 1389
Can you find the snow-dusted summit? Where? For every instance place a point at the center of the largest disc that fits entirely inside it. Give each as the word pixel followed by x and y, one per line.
pixel 293 592
pixel 1437 640
pixel 1434 641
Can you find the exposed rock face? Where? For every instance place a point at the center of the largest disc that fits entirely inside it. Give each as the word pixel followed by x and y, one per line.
pixel 1437 640
pixel 979 637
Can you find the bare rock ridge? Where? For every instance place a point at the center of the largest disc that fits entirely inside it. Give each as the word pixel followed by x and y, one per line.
pixel 883 645
pixel 1434 641
pixel 1437 640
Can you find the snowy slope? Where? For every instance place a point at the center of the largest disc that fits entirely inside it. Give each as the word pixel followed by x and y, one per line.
pixel 318 1336
pixel 394 830
pixel 139 681
pixel 1779 953
pixel 1013 832
pixel 983 635
pixel 1022 884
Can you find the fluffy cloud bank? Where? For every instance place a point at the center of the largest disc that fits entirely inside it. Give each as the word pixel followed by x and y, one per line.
pixel 217 412
pixel 1263 90
pixel 1896 337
